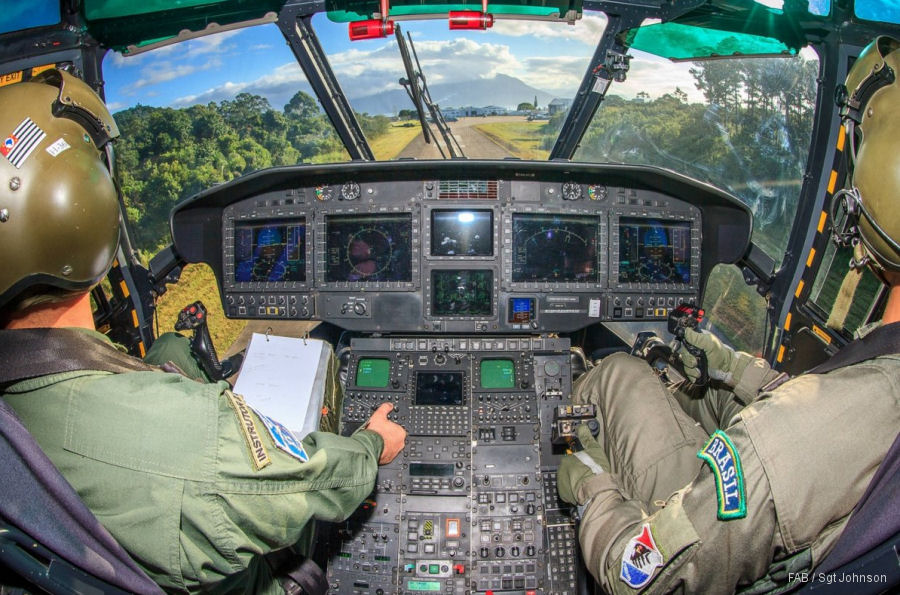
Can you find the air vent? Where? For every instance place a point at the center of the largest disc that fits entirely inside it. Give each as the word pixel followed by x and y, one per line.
pixel 468 189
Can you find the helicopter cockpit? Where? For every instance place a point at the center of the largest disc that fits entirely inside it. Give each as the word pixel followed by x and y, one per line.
pixel 457 241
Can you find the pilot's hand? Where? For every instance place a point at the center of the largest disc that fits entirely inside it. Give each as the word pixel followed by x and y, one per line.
pixel 724 364
pixel 392 433
pixel 576 469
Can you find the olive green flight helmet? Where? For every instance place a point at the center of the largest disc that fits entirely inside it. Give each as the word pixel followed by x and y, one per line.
pixel 868 212
pixel 59 213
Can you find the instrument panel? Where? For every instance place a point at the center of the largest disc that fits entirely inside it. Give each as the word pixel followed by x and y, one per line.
pixel 445 248
pixel 458 275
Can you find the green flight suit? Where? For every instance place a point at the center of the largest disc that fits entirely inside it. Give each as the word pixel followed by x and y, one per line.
pixel 806 450
pixel 165 464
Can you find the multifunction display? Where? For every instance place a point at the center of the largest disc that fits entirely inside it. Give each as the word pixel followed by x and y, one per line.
pixel 462 233
pixel 556 248
pixel 439 388
pixel 270 251
pixel 374 248
pixel 462 292
pixel 654 251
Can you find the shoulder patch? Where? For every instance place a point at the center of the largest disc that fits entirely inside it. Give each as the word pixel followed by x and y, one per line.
pixel 283 438
pixel 725 463
pixel 640 559
pixel 258 453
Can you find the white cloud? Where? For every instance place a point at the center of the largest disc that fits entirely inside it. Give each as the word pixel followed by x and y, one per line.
pixel 278 86
pixel 656 76
pixel 587 30
pixel 162 72
pixel 558 75
pixel 211 44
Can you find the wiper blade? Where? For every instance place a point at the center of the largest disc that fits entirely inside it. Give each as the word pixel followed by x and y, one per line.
pixel 417 89
pixel 435 110
pixel 411 84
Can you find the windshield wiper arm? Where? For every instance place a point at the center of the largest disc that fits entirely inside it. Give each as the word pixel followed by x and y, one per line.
pixel 417 89
pixel 410 83
pixel 435 110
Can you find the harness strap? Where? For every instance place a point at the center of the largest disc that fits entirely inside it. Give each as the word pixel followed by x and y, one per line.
pixel 881 341
pixel 31 353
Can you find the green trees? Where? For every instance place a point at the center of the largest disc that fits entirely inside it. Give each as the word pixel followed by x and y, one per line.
pixel 165 155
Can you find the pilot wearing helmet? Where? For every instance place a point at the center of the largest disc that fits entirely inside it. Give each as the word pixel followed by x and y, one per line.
pixel 756 479
pixel 183 474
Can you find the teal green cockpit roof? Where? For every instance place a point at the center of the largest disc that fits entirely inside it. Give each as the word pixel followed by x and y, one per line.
pixel 712 28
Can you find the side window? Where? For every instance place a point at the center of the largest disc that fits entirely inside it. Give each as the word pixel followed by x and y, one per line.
pixel 825 297
pixel 735 312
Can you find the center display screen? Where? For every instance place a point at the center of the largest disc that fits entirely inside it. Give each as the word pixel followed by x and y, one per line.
pixel 439 388
pixel 461 292
pixel 555 248
pixel 654 251
pixel 498 373
pixel 462 233
pixel 267 251
pixel 368 249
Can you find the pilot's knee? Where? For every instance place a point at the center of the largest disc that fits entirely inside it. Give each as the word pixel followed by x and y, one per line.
pixel 607 379
pixel 168 347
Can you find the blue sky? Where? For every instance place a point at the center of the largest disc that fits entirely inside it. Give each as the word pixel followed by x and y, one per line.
pixel 548 56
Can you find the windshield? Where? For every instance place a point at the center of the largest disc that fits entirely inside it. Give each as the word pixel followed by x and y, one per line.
pixel 495 89
pixel 202 112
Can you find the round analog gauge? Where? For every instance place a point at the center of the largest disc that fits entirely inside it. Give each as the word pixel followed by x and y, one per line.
pixel 571 191
pixel 350 191
pixel 597 192
pixel 324 193
pixel 551 368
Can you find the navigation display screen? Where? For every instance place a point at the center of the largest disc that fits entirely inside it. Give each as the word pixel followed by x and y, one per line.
pixel 654 251
pixel 555 248
pixel 462 233
pixel 498 373
pixel 368 248
pixel 461 293
pixel 266 251
pixel 439 388
pixel 373 372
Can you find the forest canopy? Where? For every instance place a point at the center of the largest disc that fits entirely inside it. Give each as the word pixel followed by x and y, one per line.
pixel 167 154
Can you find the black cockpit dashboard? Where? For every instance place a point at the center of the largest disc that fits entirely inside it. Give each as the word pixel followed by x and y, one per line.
pixel 459 280
pixel 461 247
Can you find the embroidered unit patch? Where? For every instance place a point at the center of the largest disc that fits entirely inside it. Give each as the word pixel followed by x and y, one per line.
pixel 283 438
pixel 723 459
pixel 258 453
pixel 640 559
pixel 24 139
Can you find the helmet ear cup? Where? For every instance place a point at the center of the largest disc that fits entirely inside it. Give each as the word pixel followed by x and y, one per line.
pixel 61 227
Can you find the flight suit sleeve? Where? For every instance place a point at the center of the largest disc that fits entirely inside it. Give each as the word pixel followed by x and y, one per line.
pixel 687 545
pixel 260 498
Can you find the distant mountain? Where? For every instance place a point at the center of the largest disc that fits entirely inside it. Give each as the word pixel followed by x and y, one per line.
pixel 502 90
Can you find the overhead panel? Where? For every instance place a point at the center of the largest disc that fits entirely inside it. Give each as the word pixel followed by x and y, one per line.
pixel 344 11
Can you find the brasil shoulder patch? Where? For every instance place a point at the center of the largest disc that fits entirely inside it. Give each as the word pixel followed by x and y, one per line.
pixel 725 463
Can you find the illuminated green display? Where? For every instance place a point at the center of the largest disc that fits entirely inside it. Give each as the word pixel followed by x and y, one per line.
pixel 373 372
pixel 423 586
pixel 497 373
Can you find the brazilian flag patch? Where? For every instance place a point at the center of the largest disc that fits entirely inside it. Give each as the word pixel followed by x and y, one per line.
pixel 725 463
